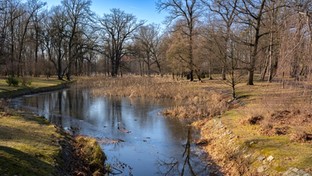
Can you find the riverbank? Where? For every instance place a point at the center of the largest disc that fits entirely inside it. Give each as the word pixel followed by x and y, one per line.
pixel 34 85
pixel 267 134
pixel 30 145
pixel 266 131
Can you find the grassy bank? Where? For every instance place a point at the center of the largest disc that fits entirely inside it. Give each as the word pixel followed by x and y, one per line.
pixel 30 145
pixel 266 131
pixel 30 86
pixel 267 135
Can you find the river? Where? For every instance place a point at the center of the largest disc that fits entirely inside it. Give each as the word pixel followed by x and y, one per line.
pixel 134 135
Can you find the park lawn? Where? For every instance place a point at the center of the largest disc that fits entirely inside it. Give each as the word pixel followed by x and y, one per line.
pixel 31 85
pixel 35 82
pixel 28 145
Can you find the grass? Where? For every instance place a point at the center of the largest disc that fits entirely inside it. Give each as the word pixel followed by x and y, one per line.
pixel 27 146
pixel 37 84
pixel 30 145
pixel 249 142
pixel 192 100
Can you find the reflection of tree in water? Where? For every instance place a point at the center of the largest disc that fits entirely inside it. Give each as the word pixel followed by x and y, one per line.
pixel 186 166
pixel 114 112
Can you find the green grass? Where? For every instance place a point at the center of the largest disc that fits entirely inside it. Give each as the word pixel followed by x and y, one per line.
pixel 263 99
pixel 28 146
pixel 37 84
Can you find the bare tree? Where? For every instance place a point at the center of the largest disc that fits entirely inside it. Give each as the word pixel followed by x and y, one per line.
pixel 118 28
pixel 251 14
pixel 32 9
pixel 148 40
pixel 188 12
pixel 226 10
pixel 80 16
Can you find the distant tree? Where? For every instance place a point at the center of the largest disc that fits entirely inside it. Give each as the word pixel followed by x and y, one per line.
pixel 118 27
pixel 148 42
pixel 55 39
pixel 187 12
pixel 79 16
pixel 226 12
pixel 177 52
pixel 251 15
pixel 32 9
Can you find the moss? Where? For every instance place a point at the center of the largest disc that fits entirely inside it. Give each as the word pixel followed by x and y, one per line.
pixel 92 152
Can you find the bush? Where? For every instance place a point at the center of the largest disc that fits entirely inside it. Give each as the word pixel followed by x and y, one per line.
pixel 12 81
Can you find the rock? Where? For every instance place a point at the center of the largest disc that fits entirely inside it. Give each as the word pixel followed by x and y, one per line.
pixel 270 158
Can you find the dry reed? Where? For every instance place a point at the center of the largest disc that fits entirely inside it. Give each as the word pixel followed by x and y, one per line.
pixel 192 100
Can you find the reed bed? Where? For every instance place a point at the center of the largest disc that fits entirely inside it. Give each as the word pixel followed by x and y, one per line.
pixel 192 100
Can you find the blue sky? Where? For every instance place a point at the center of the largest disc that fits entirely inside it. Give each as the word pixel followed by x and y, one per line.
pixel 142 9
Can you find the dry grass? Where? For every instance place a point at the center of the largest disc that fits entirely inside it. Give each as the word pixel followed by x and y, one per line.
pixel 191 100
pixel 272 122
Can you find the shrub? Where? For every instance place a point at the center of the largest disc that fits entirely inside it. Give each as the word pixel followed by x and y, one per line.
pixel 12 81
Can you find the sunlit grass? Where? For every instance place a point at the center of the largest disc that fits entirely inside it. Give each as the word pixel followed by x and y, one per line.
pixel 27 146
pixel 30 84
pixel 248 142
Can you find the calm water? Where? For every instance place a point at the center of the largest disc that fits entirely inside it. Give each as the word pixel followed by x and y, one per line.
pixel 148 143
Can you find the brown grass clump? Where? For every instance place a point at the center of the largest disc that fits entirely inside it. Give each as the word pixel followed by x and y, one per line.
pixel 301 136
pixel 283 123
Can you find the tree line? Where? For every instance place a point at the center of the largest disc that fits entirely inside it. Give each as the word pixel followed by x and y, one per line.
pixel 234 38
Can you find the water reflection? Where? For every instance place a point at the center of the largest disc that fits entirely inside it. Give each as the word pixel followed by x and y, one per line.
pixel 133 134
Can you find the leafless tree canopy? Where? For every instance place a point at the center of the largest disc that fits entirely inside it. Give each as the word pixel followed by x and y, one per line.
pixel 237 39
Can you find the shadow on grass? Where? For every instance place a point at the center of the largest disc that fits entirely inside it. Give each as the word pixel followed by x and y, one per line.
pixel 16 162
